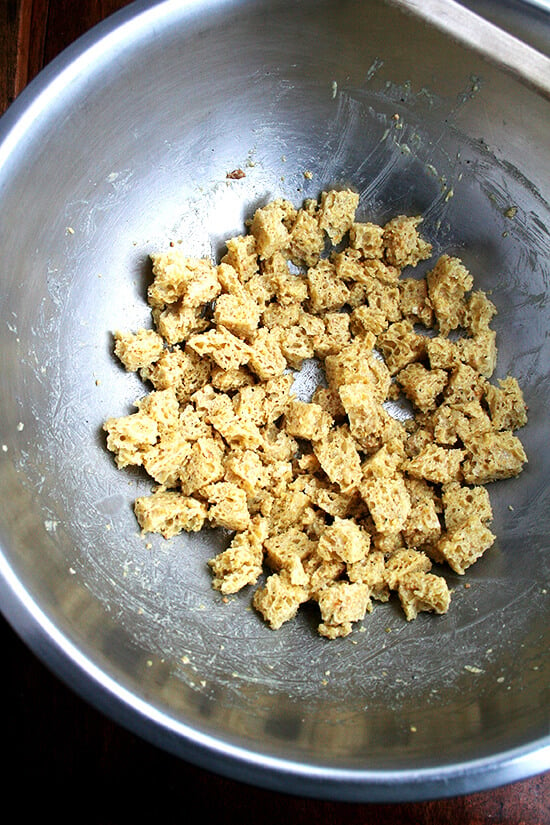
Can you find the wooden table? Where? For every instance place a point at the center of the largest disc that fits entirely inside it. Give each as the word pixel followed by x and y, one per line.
pixel 78 765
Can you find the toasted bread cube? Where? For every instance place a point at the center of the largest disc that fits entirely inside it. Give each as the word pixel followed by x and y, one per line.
pixel 192 426
pixel 226 349
pixel 370 423
pixel 329 499
pixel 204 399
pixel 402 563
pixel 260 288
pixel 183 370
pixel 506 404
pixel 388 501
pixel 383 297
pixel 130 436
pixel 461 503
pixel 368 238
pixel 327 292
pixel 386 274
pixel 423 592
pixel 290 289
pixel 329 399
pixel 177 322
pixel 356 364
pixel 266 358
pixel 239 565
pixel 422 386
pixel 334 631
pixel 287 551
pixel 168 512
pixel 368 319
pixel 237 430
pixel 251 403
pixel 307 420
pixel 163 407
pixel 278 446
pixel 270 227
pixel 338 456
pixel 466 544
pixel 345 540
pixel 313 325
pixel 436 464
pixel 278 600
pixel 306 241
pixel 465 385
pixel 388 543
pixel 401 345
pixel 138 349
pixel 276 315
pixel 239 314
pixel 341 603
pixel 414 302
pixel 296 346
pixel 228 505
pixel 337 213
pixel 348 265
pixel 421 490
pixel 370 570
pixel 403 246
pixel 385 462
pixel 245 468
pixel 336 334
pixel 290 508
pixel 193 281
pixel 278 392
pixel 493 456
pixel 229 279
pixel 321 572
pixel 448 282
pixel 242 255
pixel 232 379
pixel 444 422
pixel 164 460
pixel 422 525
pixel 203 465
pixel 443 353
pixel 479 312
pixel 480 352
pixel 451 423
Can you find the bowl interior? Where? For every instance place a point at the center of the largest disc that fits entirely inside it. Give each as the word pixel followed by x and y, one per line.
pixel 123 146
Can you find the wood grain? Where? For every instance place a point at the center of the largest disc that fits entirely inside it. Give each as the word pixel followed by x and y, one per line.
pixel 9 31
pixel 78 764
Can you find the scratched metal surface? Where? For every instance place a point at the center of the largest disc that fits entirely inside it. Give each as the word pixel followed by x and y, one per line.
pixel 124 146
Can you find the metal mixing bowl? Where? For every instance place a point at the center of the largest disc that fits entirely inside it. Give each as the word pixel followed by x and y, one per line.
pixel 124 144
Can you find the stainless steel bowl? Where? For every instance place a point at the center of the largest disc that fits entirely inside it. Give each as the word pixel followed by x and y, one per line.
pixel 123 144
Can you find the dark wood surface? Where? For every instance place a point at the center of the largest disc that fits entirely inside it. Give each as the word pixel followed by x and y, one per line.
pixel 66 759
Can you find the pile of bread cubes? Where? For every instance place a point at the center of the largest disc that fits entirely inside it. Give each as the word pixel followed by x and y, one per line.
pixel 333 500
